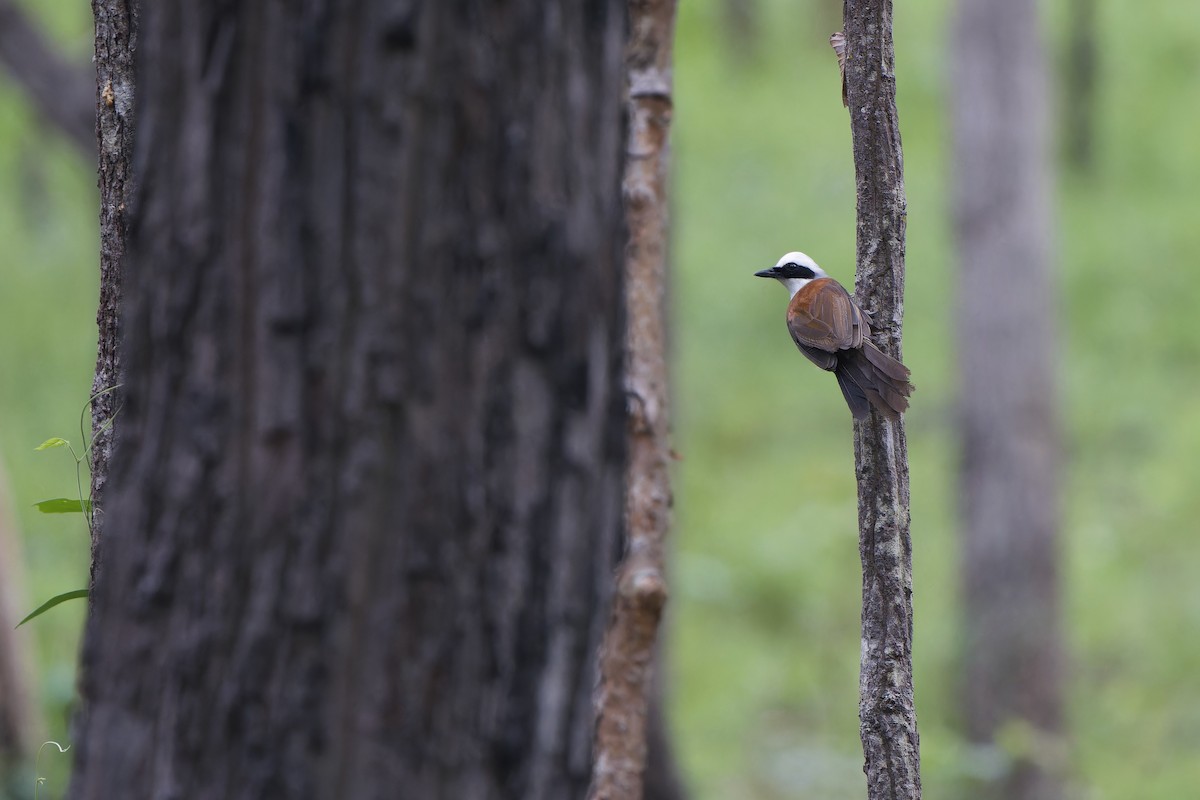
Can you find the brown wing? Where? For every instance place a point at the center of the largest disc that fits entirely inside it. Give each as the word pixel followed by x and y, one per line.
pixel 824 319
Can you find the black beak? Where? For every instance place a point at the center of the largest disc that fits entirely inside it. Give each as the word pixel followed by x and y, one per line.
pixel 765 273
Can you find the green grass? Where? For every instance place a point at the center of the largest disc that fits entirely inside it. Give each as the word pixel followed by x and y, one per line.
pixel 764 631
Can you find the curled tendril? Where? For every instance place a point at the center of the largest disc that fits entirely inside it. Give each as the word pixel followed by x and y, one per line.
pixel 40 780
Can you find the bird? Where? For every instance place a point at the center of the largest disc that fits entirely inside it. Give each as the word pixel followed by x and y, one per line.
pixel 833 332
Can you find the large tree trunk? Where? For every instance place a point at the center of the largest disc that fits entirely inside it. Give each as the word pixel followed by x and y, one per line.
pixel 1007 357
pixel 367 494
pixel 887 714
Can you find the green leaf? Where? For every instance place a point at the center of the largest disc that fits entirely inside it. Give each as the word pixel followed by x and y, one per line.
pixel 53 601
pixel 62 505
pixel 54 442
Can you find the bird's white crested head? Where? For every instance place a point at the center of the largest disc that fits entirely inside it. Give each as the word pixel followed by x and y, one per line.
pixel 799 259
pixel 794 270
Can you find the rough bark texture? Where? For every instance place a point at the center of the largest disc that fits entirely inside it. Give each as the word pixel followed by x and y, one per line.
pixel 627 656
pixel 18 716
pixel 887 718
pixel 61 91
pixel 1007 358
pixel 367 498
pixel 116 40
pixel 1079 95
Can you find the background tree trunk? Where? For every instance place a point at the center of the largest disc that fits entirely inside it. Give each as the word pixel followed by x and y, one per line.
pixel 367 502
pixel 663 780
pixel 116 41
pixel 60 90
pixel 1079 95
pixel 742 28
pixel 887 716
pixel 1007 356
pixel 19 723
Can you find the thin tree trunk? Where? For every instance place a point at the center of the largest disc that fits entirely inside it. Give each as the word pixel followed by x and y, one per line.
pixel 60 90
pixel 888 723
pixel 742 28
pixel 627 655
pixel 1079 94
pixel 1008 353
pixel 367 504
pixel 19 723
pixel 116 40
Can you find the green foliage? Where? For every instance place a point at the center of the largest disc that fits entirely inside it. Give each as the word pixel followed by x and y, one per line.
pixel 77 594
pixel 63 505
pixel 66 505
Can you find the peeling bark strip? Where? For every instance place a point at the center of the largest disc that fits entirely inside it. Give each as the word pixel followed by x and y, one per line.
pixel 116 39
pixel 627 656
pixel 887 718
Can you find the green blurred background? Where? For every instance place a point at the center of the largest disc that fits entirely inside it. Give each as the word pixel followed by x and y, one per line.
pixel 764 639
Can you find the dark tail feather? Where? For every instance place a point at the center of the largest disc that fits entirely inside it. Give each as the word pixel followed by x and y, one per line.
pixel 870 377
pixel 855 397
